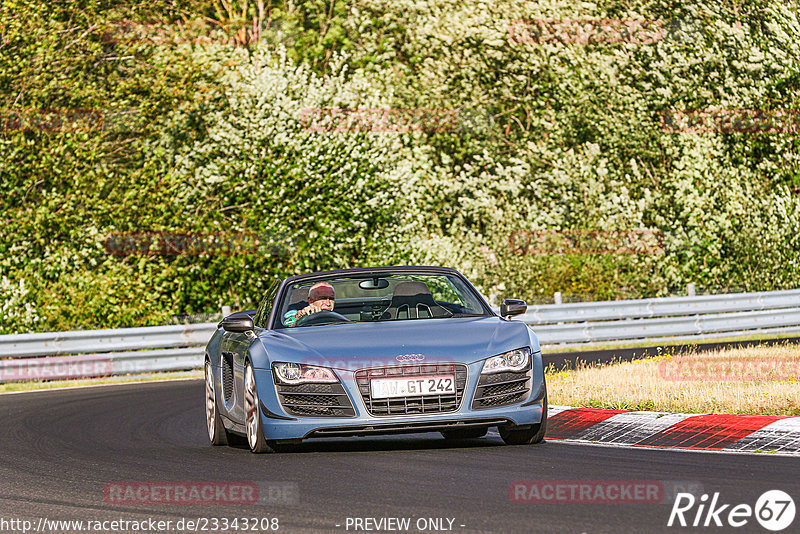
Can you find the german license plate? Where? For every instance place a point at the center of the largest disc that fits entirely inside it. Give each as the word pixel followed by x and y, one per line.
pixel 386 388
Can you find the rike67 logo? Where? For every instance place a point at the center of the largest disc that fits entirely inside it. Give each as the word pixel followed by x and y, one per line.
pixel 774 510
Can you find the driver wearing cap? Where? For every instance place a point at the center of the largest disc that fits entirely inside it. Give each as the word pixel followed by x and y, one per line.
pixel 320 298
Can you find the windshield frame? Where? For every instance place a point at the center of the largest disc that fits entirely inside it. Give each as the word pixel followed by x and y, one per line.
pixel 367 272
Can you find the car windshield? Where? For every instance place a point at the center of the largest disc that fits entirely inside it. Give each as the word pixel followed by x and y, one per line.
pixel 377 297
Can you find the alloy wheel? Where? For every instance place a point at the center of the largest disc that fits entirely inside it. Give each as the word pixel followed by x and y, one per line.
pixel 211 403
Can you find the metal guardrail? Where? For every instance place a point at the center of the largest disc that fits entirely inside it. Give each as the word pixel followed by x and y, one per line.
pixel 94 365
pixel 118 339
pixel 659 319
pixel 660 307
pixel 56 355
pixel 625 330
pixel 90 353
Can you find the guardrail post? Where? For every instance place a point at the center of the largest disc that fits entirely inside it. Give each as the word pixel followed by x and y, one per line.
pixel 226 311
pixel 557 297
pixel 690 290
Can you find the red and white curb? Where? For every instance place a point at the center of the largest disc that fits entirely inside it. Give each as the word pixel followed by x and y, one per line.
pixel 706 432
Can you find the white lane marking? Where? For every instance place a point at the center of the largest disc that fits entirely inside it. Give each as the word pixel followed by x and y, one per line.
pixel 628 428
pixel 783 434
pixel 555 409
pixel 658 450
pixel 631 427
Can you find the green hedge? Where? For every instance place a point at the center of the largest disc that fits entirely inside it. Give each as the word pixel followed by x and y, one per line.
pixel 181 119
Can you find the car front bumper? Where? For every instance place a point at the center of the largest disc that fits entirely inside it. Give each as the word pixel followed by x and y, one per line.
pixel 278 424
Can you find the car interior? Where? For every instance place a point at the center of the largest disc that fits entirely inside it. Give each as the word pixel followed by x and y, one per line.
pixel 409 299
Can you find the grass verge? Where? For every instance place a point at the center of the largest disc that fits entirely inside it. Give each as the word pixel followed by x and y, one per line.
pixel 752 380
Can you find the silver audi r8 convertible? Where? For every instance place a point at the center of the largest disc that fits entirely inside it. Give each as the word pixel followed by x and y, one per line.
pixel 383 350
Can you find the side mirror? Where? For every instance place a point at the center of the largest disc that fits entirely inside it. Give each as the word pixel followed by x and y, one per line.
pixel 511 307
pixel 237 323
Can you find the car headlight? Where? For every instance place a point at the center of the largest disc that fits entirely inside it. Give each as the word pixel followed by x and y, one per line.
pixel 513 360
pixel 298 373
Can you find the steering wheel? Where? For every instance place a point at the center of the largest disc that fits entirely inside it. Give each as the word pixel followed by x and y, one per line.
pixel 323 317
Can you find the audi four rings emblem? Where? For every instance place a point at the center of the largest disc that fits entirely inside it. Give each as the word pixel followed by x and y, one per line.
pixel 410 358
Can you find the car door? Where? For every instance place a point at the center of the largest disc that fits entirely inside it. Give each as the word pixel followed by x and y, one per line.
pixel 237 345
pixel 231 395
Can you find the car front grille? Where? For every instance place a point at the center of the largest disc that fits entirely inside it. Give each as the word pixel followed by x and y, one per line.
pixel 412 405
pixel 315 400
pixel 502 389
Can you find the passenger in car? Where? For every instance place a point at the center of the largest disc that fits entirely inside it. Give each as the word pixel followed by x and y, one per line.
pixel 320 298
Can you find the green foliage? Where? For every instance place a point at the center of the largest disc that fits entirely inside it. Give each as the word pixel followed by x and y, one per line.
pixel 83 154
pixel 187 117
pixel 331 198
pixel 575 141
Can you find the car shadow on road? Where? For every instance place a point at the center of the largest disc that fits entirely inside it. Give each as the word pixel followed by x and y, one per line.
pixel 415 442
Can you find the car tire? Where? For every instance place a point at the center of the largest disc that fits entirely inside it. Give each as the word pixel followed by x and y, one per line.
pixel 511 435
pixel 464 433
pixel 216 430
pixel 255 432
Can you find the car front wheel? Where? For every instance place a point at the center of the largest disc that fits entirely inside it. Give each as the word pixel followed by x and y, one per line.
pixel 216 431
pixel 534 434
pixel 255 432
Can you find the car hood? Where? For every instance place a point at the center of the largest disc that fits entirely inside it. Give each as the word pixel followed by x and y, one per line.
pixel 359 345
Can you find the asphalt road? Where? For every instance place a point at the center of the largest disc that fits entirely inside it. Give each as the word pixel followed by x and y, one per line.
pixel 62 449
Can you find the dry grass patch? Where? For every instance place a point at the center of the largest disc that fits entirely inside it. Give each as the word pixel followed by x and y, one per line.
pixel 752 380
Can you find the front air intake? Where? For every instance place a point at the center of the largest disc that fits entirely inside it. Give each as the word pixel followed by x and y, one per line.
pixel 502 389
pixel 227 376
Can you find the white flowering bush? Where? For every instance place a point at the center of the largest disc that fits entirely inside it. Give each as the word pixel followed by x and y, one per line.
pixel 335 198
pixel 575 140
pixel 17 312
pixel 550 136
pixel 557 135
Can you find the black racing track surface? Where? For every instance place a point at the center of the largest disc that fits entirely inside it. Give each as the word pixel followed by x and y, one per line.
pixel 61 448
